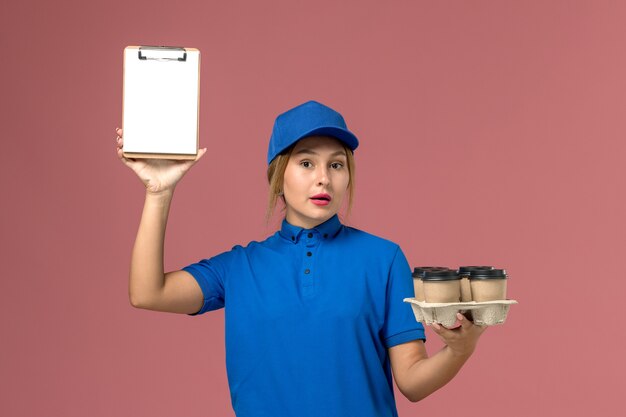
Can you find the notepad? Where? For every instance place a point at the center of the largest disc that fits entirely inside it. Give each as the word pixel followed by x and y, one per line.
pixel 161 102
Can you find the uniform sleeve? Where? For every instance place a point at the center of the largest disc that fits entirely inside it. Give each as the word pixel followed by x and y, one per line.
pixel 400 324
pixel 210 275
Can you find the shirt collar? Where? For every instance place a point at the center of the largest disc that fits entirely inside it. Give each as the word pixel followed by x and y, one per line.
pixel 326 230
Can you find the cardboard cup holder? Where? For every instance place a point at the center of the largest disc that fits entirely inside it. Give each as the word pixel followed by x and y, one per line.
pixel 485 313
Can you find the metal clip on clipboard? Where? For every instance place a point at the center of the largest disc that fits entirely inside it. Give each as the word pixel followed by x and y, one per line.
pixel 162 53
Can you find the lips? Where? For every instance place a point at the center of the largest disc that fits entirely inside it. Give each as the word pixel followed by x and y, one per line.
pixel 321 199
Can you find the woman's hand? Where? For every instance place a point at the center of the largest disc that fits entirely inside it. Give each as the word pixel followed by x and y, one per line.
pixel 158 175
pixel 460 340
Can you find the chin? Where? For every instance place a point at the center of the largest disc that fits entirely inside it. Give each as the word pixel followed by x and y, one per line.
pixel 316 215
pixel 325 216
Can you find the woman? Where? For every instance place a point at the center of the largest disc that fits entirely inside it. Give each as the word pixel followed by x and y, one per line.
pixel 314 316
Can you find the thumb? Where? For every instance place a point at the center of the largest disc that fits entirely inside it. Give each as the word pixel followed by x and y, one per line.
pixel 191 162
pixel 465 323
pixel 201 153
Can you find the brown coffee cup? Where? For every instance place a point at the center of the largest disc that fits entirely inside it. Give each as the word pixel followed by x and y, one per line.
pixel 441 286
pixel 418 284
pixel 488 285
pixel 418 288
pixel 464 274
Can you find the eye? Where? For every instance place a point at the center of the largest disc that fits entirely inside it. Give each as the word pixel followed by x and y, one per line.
pixel 336 165
pixel 306 164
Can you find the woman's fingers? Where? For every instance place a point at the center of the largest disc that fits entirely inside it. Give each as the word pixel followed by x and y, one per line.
pixel 465 323
pixel 120 154
pixel 119 142
pixel 440 330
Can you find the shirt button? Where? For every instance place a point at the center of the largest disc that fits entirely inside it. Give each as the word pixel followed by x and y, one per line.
pixel 309 254
pixel 325 235
pixel 293 238
pixel 310 235
pixel 307 271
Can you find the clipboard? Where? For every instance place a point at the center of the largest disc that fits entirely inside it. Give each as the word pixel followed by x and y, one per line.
pixel 161 102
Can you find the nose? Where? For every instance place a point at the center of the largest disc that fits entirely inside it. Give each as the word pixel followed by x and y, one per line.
pixel 322 176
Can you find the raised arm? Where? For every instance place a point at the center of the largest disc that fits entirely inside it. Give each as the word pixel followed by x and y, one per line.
pixel 149 287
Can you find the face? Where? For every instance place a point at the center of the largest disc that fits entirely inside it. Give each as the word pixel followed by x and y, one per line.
pixel 315 181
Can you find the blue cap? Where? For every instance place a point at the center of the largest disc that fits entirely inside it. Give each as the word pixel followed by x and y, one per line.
pixel 308 119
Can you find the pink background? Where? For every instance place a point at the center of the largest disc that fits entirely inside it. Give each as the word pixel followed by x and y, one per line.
pixel 491 132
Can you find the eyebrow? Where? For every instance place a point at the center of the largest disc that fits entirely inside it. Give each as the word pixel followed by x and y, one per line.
pixel 312 152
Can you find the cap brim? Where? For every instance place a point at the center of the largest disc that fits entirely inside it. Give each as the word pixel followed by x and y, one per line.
pixel 343 135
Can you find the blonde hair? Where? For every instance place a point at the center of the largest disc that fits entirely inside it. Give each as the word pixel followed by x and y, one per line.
pixel 276 175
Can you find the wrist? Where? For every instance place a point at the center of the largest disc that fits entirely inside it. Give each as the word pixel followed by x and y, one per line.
pixel 463 355
pixel 160 196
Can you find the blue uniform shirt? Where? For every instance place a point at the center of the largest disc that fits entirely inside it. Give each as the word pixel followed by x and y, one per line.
pixel 309 315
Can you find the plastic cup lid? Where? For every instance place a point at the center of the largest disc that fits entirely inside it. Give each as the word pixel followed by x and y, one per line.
pixel 466 270
pixel 419 271
pixel 440 275
pixel 488 274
